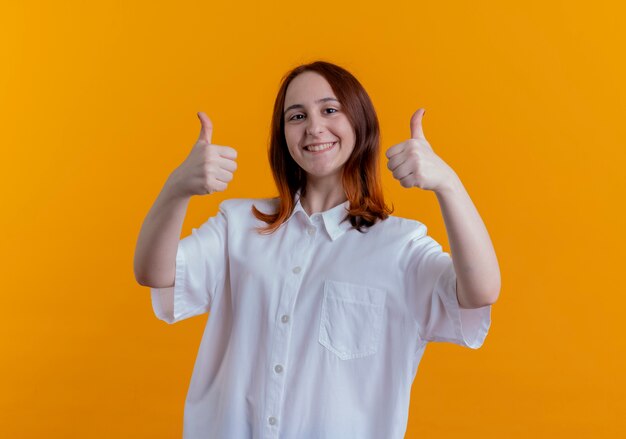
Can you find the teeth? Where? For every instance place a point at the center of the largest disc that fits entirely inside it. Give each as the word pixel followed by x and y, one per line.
pixel 320 147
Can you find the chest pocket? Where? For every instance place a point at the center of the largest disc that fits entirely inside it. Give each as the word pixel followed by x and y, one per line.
pixel 352 317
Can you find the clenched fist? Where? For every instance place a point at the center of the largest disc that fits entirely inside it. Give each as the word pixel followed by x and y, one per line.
pixel 208 168
pixel 414 163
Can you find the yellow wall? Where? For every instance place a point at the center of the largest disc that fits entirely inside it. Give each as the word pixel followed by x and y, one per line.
pixel 98 102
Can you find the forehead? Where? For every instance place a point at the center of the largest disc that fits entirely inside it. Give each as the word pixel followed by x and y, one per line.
pixel 307 87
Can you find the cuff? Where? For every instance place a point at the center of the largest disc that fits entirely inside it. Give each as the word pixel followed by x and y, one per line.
pixel 470 325
pixel 167 302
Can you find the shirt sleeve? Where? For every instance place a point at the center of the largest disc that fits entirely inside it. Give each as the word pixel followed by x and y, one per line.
pixel 431 283
pixel 201 261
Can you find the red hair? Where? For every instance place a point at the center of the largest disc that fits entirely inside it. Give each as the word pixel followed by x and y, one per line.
pixel 361 175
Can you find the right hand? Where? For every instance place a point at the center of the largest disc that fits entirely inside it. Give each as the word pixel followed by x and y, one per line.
pixel 208 168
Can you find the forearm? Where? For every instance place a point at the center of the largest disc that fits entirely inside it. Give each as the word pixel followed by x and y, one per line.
pixel 473 255
pixel 155 254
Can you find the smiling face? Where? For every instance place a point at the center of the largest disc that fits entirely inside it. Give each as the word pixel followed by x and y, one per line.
pixel 319 135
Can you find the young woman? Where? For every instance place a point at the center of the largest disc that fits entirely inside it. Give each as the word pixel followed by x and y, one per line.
pixel 321 302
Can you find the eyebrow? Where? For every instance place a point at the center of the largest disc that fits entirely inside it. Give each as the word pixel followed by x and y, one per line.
pixel 302 106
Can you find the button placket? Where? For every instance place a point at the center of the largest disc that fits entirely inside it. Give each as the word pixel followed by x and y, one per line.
pixel 280 348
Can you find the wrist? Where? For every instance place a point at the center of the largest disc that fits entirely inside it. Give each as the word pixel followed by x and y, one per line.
pixel 452 185
pixel 172 189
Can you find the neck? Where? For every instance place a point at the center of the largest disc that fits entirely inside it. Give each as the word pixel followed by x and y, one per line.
pixel 322 195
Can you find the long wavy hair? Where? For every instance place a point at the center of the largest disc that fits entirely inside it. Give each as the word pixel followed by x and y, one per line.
pixel 361 174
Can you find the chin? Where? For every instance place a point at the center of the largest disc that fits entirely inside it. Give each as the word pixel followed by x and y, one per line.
pixel 322 174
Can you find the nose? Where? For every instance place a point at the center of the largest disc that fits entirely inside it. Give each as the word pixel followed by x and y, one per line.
pixel 315 124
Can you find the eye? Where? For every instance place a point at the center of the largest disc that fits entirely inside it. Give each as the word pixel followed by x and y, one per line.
pixel 300 116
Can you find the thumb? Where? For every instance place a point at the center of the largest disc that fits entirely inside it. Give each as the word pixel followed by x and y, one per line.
pixel 416 124
pixel 206 132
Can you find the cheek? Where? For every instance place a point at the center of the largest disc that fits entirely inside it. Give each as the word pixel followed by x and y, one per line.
pixel 346 130
pixel 292 143
pixel 291 135
pixel 348 137
pixel 288 139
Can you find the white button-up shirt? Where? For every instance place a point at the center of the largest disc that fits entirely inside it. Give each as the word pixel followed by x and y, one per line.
pixel 316 330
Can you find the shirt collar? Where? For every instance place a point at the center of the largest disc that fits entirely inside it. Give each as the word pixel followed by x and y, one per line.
pixel 332 218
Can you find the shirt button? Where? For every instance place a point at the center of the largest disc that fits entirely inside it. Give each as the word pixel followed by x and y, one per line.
pixel 310 230
pixel 278 368
pixel 284 318
pixel 272 420
pixel 296 269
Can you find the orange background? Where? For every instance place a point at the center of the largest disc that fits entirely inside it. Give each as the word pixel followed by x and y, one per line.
pixel 525 100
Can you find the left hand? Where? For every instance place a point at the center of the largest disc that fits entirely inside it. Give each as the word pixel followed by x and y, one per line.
pixel 414 163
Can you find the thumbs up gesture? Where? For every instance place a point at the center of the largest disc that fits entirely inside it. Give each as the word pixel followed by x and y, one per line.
pixel 414 163
pixel 208 168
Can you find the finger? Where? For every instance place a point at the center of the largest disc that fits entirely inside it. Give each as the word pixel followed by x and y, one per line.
pixel 403 171
pixel 394 162
pixel 227 152
pixel 394 150
pixel 228 164
pixel 219 186
pixel 206 131
pixel 407 181
pixel 416 124
pixel 224 176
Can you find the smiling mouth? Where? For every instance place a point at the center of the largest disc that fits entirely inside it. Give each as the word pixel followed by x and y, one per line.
pixel 320 147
